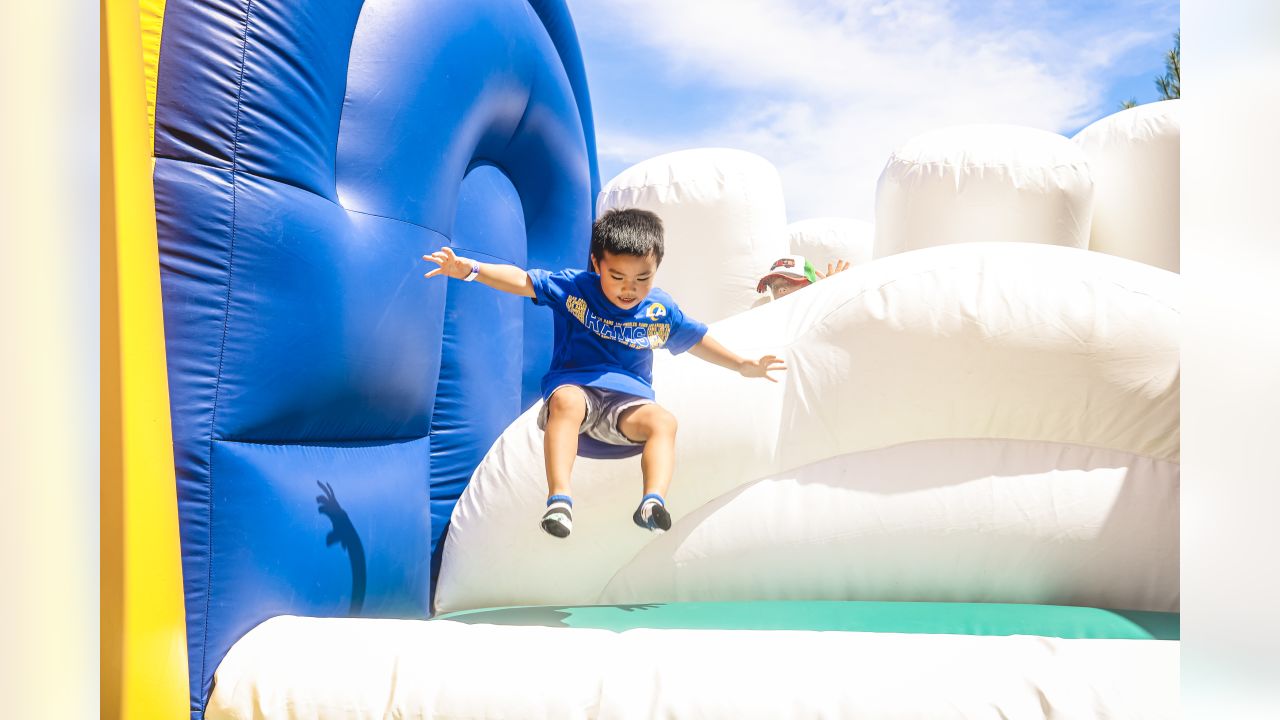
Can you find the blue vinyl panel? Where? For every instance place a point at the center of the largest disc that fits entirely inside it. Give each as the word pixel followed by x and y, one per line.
pixel 308 155
pixel 307 529
pixel 483 341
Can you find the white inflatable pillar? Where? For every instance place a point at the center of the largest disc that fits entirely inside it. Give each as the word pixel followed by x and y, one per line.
pixel 983 183
pixel 828 239
pixel 1134 158
pixel 724 219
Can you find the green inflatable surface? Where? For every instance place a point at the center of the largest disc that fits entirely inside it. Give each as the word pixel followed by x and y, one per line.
pixel 886 617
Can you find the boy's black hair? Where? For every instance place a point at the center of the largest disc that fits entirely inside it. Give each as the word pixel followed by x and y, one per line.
pixel 627 232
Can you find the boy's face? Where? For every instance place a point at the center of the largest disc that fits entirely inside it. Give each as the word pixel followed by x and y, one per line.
pixel 625 279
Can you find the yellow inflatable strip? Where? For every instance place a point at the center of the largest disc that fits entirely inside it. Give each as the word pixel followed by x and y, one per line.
pixel 143 636
pixel 151 18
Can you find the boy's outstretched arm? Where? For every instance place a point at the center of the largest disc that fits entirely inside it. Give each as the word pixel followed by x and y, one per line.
pixel 713 352
pixel 507 278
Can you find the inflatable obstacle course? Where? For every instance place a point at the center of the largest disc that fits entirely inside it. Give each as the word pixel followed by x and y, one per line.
pixel 963 495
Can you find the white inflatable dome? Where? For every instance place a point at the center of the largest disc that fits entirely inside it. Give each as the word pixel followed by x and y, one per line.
pixel 1134 159
pixel 979 422
pixel 828 239
pixel 724 219
pixel 983 183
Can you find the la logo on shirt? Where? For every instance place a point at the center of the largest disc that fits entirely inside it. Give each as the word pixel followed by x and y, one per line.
pixel 636 335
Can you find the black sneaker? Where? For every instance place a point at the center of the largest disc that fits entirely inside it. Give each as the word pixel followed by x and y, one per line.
pixel 652 515
pixel 557 521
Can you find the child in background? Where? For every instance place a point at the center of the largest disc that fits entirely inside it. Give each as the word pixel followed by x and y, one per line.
pixel 792 272
pixel 608 322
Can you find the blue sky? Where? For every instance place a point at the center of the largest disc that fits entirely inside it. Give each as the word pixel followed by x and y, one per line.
pixel 825 89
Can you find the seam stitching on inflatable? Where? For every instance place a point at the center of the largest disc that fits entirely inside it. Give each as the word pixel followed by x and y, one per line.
pixel 326 442
pixel 988 166
pixel 1001 439
pixel 191 161
pixel 818 323
pixel 393 219
pixel 222 349
pixel 246 173
pixel 675 182
pixel 485 254
pixel 268 178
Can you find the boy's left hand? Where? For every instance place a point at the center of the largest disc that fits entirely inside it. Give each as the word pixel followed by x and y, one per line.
pixel 833 268
pixel 762 367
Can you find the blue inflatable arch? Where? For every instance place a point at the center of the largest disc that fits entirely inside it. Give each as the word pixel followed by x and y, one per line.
pixel 329 405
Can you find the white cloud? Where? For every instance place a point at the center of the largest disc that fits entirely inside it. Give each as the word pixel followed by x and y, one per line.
pixel 825 90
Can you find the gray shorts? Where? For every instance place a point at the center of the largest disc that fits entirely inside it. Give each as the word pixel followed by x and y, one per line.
pixel 604 409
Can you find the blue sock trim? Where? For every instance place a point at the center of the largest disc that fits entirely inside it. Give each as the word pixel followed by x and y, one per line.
pixel 655 496
pixel 560 498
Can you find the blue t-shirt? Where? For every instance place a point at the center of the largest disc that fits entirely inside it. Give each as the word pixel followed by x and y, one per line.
pixel 598 344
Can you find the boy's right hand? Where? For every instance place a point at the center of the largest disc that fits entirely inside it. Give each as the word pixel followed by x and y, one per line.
pixel 451 265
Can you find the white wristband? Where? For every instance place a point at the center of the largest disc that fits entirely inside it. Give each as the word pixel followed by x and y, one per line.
pixel 475 272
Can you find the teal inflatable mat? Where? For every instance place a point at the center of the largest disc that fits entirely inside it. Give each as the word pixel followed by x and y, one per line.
pixel 846 616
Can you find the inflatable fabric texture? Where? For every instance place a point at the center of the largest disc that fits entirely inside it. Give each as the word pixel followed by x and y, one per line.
pixel 723 218
pixel 328 403
pixel 1134 159
pixel 983 183
pixel 984 422
pixel 825 240
pixel 291 667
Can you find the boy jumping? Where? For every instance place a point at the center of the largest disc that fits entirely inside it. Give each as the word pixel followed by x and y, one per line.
pixel 608 322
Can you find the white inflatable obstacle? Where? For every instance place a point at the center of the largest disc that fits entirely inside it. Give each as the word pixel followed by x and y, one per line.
pixel 1134 159
pixel 724 218
pixel 292 667
pixel 828 239
pixel 980 422
pixel 983 183
pixel 993 422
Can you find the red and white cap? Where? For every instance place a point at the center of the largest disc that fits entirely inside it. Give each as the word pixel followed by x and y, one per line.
pixel 793 267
